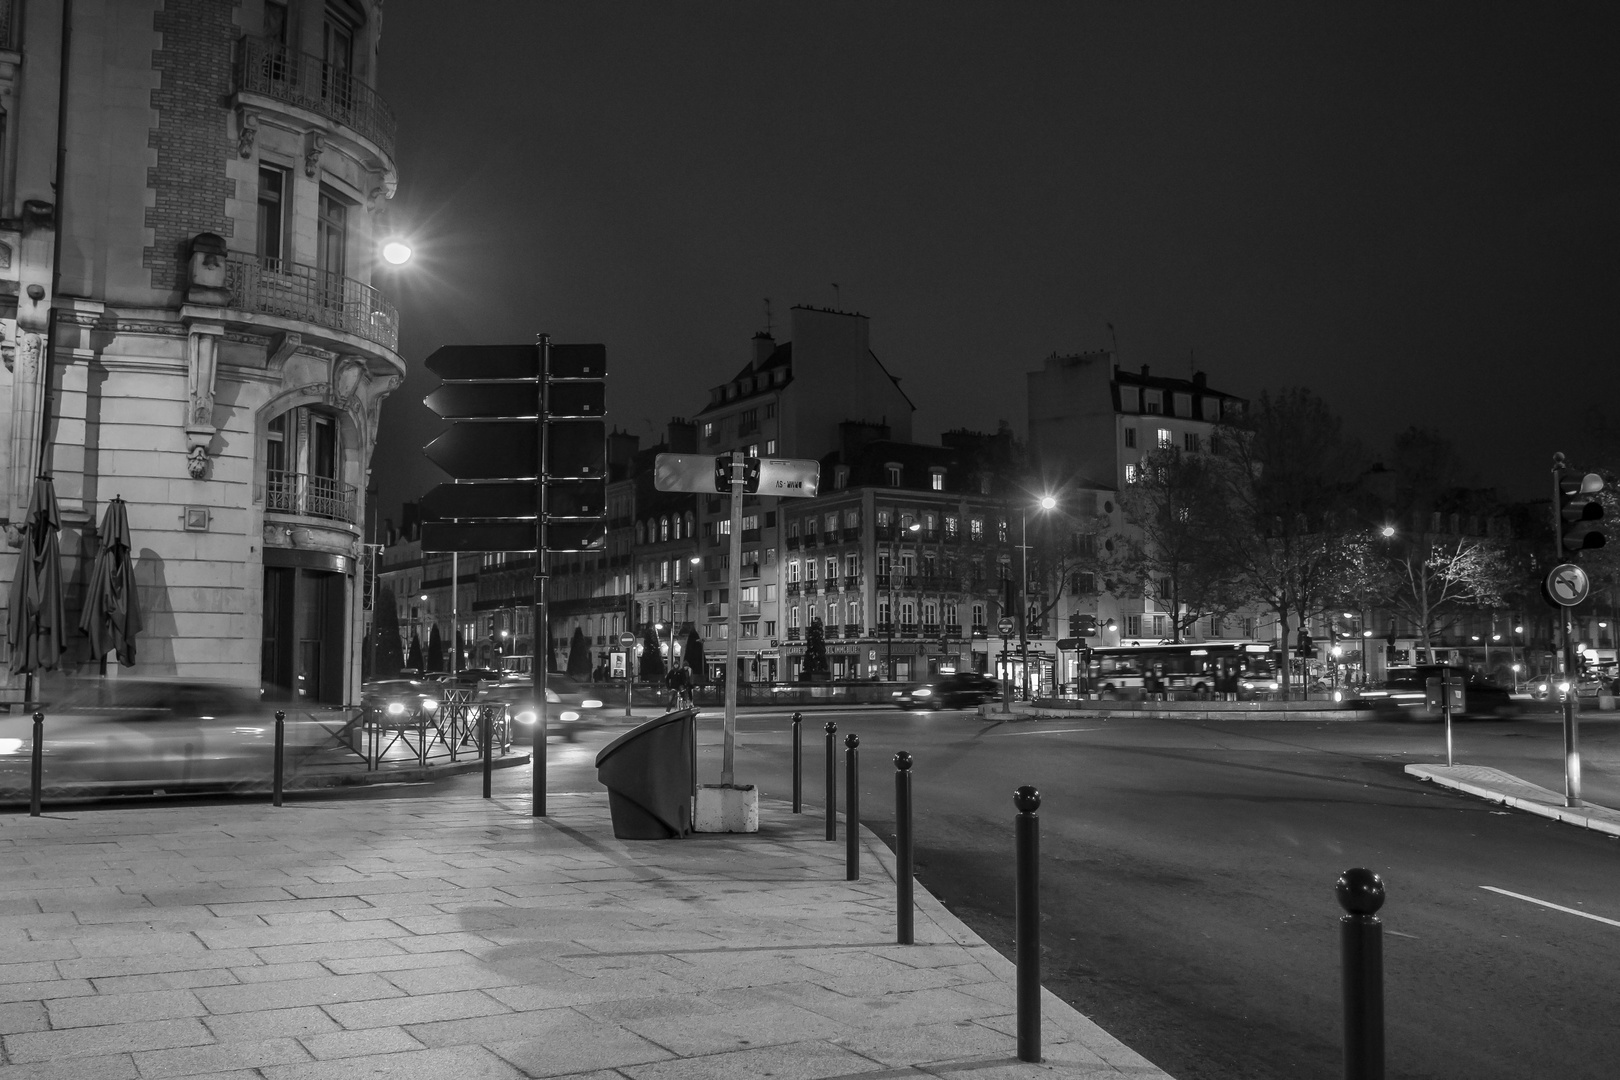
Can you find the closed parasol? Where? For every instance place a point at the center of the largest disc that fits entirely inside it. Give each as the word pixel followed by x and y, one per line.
pixel 38 624
pixel 112 612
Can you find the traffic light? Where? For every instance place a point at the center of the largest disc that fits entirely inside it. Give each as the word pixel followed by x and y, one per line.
pixel 1074 624
pixel 1580 512
pixel 722 474
pixel 1088 626
pixel 1306 647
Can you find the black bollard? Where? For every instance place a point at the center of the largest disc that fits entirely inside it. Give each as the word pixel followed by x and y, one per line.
pixel 1027 923
pixel 904 933
pixel 798 763
pixel 852 816
pixel 832 783
pixel 489 747
pixel 281 752
pixel 1361 940
pixel 36 768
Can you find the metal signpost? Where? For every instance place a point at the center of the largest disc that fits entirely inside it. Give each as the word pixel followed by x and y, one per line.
pixel 1577 511
pixel 786 478
pixel 1445 693
pixel 627 642
pixel 528 453
pixel 1006 628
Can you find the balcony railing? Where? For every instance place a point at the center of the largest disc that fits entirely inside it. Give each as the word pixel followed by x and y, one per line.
pixel 312 496
pixel 793 543
pixel 908 629
pixel 953 631
pixel 291 291
pixel 793 633
pixel 811 540
pixel 310 82
pixel 930 629
pixel 852 581
pixel 852 533
pixel 852 630
pixel 793 588
pixel 830 631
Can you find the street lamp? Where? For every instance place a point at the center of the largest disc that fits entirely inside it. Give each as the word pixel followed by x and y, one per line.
pixel 888 641
pixel 1046 502
pixel 396 251
pixel 1387 531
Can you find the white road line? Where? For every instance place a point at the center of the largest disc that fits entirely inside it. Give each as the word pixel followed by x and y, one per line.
pixel 1054 731
pixel 1548 904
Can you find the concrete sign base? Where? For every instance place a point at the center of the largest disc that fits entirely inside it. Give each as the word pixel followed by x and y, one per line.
pixel 722 809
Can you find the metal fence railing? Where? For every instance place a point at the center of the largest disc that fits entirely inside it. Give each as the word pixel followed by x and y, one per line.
pixel 293 291
pixel 311 82
pixel 313 496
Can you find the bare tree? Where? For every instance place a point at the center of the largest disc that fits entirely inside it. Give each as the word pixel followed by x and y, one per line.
pixel 1288 475
pixel 1177 552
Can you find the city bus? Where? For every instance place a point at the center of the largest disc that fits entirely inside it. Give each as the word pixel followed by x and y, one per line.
pixel 1203 667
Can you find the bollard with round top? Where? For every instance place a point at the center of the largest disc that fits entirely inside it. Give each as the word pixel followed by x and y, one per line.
pixel 852 816
pixel 281 750
pixel 798 762
pixel 1027 922
pixel 903 924
pixel 36 765
pixel 832 782
pixel 1361 940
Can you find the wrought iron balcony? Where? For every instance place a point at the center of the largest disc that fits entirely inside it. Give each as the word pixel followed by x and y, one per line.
pixel 793 633
pixel 793 588
pixel 908 629
pixel 852 533
pixel 852 630
pixel 811 540
pixel 290 291
pixel 312 496
pixel 310 82
pixel 793 543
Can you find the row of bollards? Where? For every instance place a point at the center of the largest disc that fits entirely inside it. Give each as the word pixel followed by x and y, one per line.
pixel 1360 893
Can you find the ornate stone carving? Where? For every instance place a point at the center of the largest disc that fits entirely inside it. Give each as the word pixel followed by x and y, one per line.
pixel 207 270
pixel 5 255
pixel 197 462
pixel 247 126
pixel 314 143
pixel 28 356
pixel 347 375
pixel 202 363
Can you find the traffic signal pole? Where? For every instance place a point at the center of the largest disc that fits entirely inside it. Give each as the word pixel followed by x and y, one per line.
pixel 540 633
pixel 1572 731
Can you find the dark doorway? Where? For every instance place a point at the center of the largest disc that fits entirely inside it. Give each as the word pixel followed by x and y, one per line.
pixel 302 650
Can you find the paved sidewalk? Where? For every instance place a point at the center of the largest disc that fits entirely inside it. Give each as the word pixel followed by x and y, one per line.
pixel 1497 786
pixel 450 936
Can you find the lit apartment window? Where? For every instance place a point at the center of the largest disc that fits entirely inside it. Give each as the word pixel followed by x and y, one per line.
pixel 936 479
pixel 770 447
pixel 1130 473
pixel 891 472
pixel 1166 440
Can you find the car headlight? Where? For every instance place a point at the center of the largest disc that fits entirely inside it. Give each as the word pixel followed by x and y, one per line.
pixel 396 708
pixel 430 705
pixel 11 746
pixel 923 692
pixel 897 693
pixel 590 703
pixel 527 716
pixel 1563 688
pixel 569 717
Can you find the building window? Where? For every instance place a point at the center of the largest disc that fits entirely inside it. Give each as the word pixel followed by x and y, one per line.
pixel 1152 402
pixel 831 568
pixel 953 526
pixel 1130 438
pixel 832 613
pixel 770 593
pixel 770 447
pixel 770 627
pixel 852 518
pixel 793 571
pixel 936 479
pixel 751 628
pixel 852 565
pixel 978 614
pixel 1133 626
pixel 332 240
pixel 1158 626
pixel 753 450
pixel 1191 442
pixel 840 477
pixel 1001 530
pixel 793 616
pixel 930 611
pixel 892 472
pixel 1130 473
pixel 770 409
pixel 976 529
pixel 1166 440
pixel 908 612
pixel 273 190
pixel 883 611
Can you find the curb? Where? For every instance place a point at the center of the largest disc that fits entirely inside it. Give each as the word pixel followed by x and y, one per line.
pixel 1543 803
pixel 1054 1010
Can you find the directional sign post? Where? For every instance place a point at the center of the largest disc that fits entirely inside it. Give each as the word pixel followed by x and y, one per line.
pixel 526 447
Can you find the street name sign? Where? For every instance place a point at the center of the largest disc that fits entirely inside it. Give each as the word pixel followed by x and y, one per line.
pixel 508 500
pixel 791 478
pixel 488 450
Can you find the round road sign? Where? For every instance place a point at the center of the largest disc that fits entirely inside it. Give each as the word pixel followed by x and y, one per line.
pixel 627 639
pixel 1568 585
pixel 1005 626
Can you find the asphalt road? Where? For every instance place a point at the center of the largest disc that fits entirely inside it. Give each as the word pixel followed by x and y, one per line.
pixel 1188 872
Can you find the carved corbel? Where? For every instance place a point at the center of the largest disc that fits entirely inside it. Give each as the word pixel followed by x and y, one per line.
pixel 282 346
pixel 314 143
pixel 348 373
pixel 247 127
pixel 202 364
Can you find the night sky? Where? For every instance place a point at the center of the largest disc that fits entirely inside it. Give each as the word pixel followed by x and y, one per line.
pixel 1411 209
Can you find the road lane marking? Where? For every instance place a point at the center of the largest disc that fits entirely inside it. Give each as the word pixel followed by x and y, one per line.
pixel 1549 904
pixel 1054 731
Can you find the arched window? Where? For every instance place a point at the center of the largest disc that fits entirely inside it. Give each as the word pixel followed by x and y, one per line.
pixel 663 529
pixel 689 522
pixel 641 533
pixel 303 462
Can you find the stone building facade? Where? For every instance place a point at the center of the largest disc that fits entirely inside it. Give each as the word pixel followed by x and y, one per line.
pixel 196 324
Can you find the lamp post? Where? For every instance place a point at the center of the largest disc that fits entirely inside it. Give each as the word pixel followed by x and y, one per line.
pixel 1046 503
pixel 888 642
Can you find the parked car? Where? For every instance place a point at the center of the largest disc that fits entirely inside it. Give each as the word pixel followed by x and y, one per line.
pixel 143 736
pixel 1404 694
pixel 958 690
pixel 573 707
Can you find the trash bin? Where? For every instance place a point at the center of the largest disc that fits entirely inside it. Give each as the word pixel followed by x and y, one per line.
pixel 651 774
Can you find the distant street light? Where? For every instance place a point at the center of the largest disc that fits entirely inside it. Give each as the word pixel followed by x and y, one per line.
pixel 1047 502
pixel 1387 531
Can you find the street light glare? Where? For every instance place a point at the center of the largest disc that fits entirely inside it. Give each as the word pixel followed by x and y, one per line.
pixel 396 252
pixel 1047 502
pixel 1387 531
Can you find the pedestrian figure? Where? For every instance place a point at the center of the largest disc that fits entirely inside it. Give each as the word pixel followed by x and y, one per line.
pixel 679 683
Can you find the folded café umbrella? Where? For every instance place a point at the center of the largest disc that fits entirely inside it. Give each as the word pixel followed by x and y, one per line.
pixel 112 614
pixel 38 624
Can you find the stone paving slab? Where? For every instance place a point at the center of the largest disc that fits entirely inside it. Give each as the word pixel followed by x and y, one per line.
pixel 454 936
pixel 1501 787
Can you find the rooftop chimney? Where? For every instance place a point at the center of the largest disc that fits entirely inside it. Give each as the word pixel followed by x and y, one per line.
pixel 1144 370
pixel 764 345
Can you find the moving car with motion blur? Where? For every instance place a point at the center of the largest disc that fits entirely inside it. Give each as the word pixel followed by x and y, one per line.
pixel 958 690
pixel 136 736
pixel 572 707
pixel 1403 694
pixel 400 703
